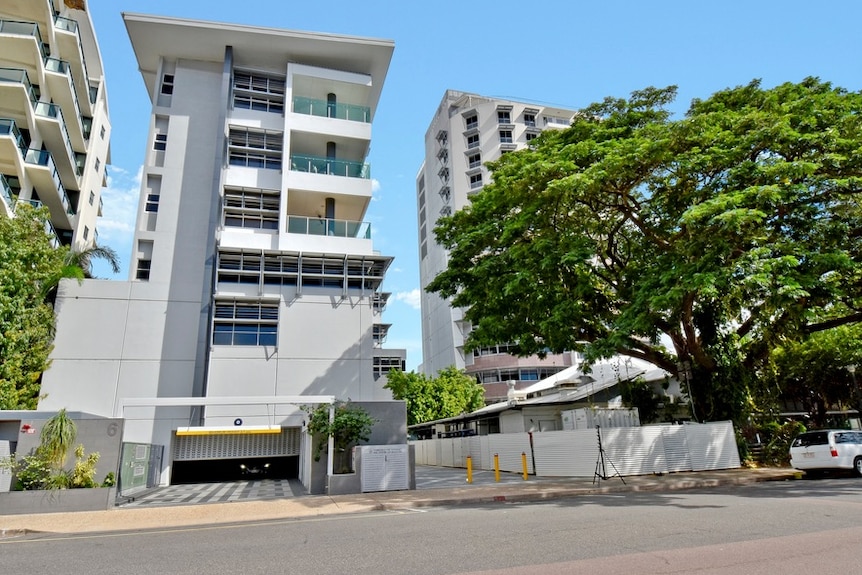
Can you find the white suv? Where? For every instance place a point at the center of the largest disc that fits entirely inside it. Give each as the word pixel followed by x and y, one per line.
pixel 827 449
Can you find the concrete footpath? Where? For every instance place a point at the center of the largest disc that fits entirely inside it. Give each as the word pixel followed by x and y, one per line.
pixel 179 516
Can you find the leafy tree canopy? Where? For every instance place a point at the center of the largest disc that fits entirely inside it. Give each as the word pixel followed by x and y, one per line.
pixel 449 394
pixel 28 263
pixel 30 271
pixel 725 233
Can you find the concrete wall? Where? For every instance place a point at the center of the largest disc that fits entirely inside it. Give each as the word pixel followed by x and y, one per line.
pixel 57 501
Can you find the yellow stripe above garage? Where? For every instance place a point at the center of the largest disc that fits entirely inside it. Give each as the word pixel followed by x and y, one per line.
pixel 230 430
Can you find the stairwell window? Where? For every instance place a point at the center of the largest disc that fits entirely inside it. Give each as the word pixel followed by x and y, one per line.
pixel 152 204
pixel 168 84
pixel 142 272
pixel 160 142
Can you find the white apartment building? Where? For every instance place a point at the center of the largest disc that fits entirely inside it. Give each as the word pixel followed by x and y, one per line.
pixel 467 131
pixel 54 126
pixel 254 286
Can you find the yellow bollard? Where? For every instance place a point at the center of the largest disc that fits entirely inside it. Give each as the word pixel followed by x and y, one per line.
pixel 497 468
pixel 469 469
pixel 524 464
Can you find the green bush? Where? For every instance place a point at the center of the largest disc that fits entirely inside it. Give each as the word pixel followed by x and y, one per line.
pixel 777 448
pixel 350 425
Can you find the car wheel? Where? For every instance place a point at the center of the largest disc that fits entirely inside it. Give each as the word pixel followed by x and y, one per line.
pixel 857 466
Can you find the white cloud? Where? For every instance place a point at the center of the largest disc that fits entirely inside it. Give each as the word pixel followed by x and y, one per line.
pixel 120 211
pixel 120 207
pixel 411 298
pixel 375 190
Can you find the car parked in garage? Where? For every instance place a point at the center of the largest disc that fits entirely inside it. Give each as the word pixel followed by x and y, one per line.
pixel 825 449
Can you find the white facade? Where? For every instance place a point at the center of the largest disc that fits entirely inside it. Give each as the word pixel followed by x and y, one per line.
pixel 467 131
pixel 253 273
pixel 54 126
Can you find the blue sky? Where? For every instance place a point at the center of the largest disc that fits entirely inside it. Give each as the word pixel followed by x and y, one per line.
pixel 567 53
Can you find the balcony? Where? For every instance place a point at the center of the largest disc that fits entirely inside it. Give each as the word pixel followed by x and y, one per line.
pixel 59 78
pixel 324 109
pixel 49 117
pixel 328 227
pixel 9 128
pixel 330 166
pixel 69 39
pixel 44 175
pixel 16 43
pixel 6 196
pixel 16 90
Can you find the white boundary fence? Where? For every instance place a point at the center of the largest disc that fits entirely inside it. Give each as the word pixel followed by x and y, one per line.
pixel 631 450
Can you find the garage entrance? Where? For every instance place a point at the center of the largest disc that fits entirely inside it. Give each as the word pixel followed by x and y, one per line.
pixel 236 456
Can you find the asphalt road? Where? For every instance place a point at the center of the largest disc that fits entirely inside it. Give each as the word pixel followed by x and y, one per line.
pixel 780 527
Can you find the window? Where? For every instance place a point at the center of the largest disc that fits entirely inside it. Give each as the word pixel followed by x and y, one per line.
pixel 506 136
pixel 160 142
pixel 260 92
pixel 530 136
pixel 444 174
pixel 471 121
pixel 251 208
pixel 143 270
pixel 255 148
pixel 474 160
pixel 86 233
pixel 152 204
pixel 168 84
pixel 504 117
pixel 98 164
pixel 92 198
pixel 475 181
pixel 102 132
pixel 245 323
pixel 530 119
pixel 445 193
pixel 473 141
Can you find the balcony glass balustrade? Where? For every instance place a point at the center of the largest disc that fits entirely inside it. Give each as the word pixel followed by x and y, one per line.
pixel 70 25
pixel 24 29
pixel 326 109
pixel 43 158
pixel 6 192
pixel 328 227
pixel 330 166
pixel 18 76
pixel 8 128
pixel 62 67
pixel 53 111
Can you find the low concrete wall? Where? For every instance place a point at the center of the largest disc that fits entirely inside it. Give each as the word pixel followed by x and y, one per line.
pixel 57 501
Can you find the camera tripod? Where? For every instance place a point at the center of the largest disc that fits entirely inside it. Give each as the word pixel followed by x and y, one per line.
pixel 601 469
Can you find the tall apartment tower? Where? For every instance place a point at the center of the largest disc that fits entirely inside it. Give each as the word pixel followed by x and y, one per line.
pixel 253 278
pixel 54 126
pixel 467 131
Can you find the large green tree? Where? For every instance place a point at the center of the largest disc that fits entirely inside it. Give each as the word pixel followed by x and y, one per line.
pixel 28 263
pixel 725 233
pixel 31 268
pixel 449 394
